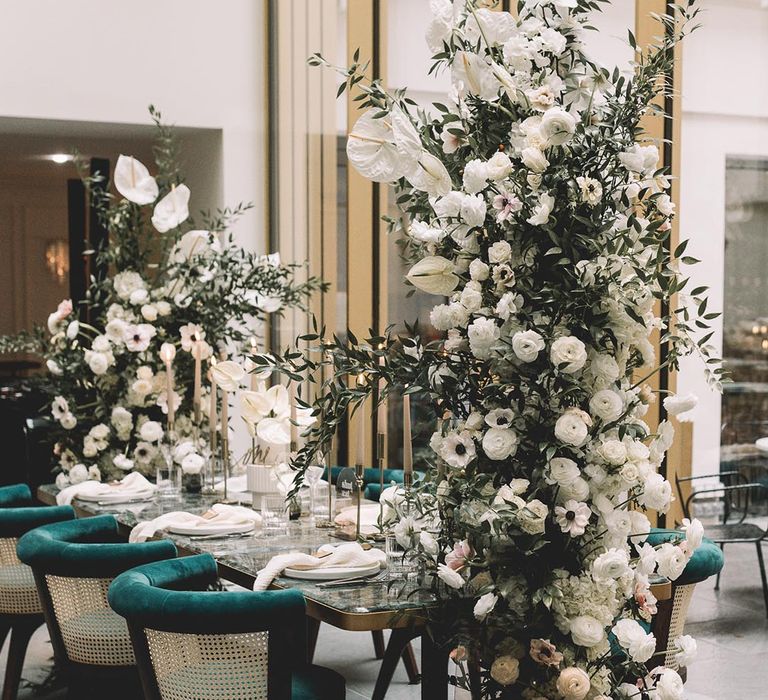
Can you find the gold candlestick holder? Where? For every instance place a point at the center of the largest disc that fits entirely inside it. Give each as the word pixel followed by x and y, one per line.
pixel 225 461
pixel 328 524
pixel 359 481
pixel 380 536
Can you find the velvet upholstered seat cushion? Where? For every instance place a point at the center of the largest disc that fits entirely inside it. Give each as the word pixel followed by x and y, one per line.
pixel 317 683
pixel 16 495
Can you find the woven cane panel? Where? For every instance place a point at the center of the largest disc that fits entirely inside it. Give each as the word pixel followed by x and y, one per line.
pixel 209 666
pixel 680 604
pixel 91 631
pixel 18 595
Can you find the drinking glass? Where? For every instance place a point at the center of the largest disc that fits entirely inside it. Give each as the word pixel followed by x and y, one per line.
pixel 168 474
pixel 274 513
pixel 311 477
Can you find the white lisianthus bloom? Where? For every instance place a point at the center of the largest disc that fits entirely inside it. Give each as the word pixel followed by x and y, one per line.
pixel 657 493
pixel 151 431
pixel 485 603
pixel 671 561
pixel 606 405
pixel 450 577
pixel 475 177
pixel 434 275
pixel 172 210
pixel 534 159
pixel 483 334
pixel 430 175
pixel 571 428
pixel 686 650
pixel 694 533
pixel 562 471
pixel 499 443
pixel 573 684
pixel 126 283
pixel 610 565
pixel 557 126
pixel 78 474
pixel 577 490
pixel 133 181
pixel 499 252
pixel 527 345
pixel 586 631
pixel 676 405
pixel 568 354
pixel 542 211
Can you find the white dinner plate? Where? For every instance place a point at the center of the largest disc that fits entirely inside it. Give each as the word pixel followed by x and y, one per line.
pixel 333 573
pixel 116 496
pixel 211 528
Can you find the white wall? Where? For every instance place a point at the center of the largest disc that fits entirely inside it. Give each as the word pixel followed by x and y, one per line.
pixel 200 62
pixel 725 112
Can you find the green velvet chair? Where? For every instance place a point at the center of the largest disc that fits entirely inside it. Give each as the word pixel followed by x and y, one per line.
pixel 21 612
pixel 194 643
pixel 73 563
pixel 372 480
pixel 707 561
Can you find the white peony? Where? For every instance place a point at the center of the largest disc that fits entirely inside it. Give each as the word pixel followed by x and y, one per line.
pixel 192 463
pixel 475 176
pixel 499 443
pixel 568 354
pixel 473 209
pixel 613 451
pixel 527 345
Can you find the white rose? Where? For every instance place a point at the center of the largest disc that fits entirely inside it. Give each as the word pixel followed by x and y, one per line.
pixel 671 561
pixel 478 270
pixel 473 209
pixel 434 275
pixel 499 166
pixel 610 565
pixel 527 345
pixel 499 443
pixel 586 631
pixel 562 471
pixel 676 405
pixel 657 493
pixel 483 334
pixel 484 605
pixel 151 431
pixel 606 405
pixel 557 126
pixel 571 429
pixel 471 298
pixel 450 577
pixel 568 354
pixel 475 176
pixel 534 159
pixel 78 474
pixel 499 252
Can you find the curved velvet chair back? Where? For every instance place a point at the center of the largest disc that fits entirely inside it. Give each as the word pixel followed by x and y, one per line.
pixel 18 594
pixel 74 562
pixel 195 643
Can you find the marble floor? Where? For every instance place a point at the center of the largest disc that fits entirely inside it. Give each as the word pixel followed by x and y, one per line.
pixel 730 626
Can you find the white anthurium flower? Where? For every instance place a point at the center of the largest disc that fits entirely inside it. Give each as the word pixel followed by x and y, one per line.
pixel 194 243
pixel 372 150
pixel 429 175
pixel 133 181
pixel 264 403
pixel 227 374
pixel 171 210
pixel 268 304
pixel 474 75
pixel 434 275
pixel 406 136
pixel 275 431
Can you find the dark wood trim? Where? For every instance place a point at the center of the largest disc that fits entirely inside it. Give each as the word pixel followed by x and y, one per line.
pixel 76 222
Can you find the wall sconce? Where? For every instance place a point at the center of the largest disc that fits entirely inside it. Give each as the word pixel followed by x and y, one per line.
pixel 57 259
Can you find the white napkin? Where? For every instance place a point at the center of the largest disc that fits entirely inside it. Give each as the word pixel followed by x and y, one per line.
pixel 235 484
pixel 349 554
pixel 369 517
pixel 225 514
pixel 132 486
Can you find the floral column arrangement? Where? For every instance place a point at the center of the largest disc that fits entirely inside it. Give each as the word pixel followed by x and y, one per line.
pixel 536 208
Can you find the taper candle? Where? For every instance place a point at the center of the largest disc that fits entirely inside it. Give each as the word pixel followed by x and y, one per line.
pixel 212 413
pixel 254 374
pixel 196 392
pixel 167 353
pixel 381 411
pixel 407 443
pixel 294 427
pixel 360 457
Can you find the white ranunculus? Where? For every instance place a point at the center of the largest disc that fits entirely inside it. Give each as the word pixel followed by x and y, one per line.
pixel 610 565
pixel 657 493
pixel 499 252
pixel 573 684
pixel 499 443
pixel 485 603
pixel 669 685
pixel 586 631
pixel 478 270
pixel 557 126
pixel 193 463
pixel 172 210
pixel 78 474
pixel 671 561
pixel 534 159
pixel 562 471
pixel 227 374
pixel 606 405
pixel 127 282
pixel 568 354
pixel 676 405
pixel 499 166
pixel 483 334
pixel 527 345
pixel 473 209
pixel 577 490
pixel 571 428
pixel 686 649
pixel 541 212
pixel 133 181
pixel 434 275
pixel 429 175
pixel 151 431
pixel 475 177
pixel 450 577
pixel 694 533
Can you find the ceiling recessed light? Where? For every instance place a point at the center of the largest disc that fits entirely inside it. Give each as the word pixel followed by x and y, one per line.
pixel 60 158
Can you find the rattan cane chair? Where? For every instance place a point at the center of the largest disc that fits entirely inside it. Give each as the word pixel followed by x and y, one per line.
pixel 193 643
pixel 20 610
pixel 73 564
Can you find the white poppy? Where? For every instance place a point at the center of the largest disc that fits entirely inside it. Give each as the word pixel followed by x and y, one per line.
pixel 133 181
pixel 171 210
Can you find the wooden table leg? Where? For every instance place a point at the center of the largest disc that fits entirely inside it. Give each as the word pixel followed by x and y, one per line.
pixel 378 643
pixel 434 669
pixel 313 629
pixel 399 639
pixel 411 665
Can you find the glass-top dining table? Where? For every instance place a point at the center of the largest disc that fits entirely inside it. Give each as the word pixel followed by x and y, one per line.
pixel 371 606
